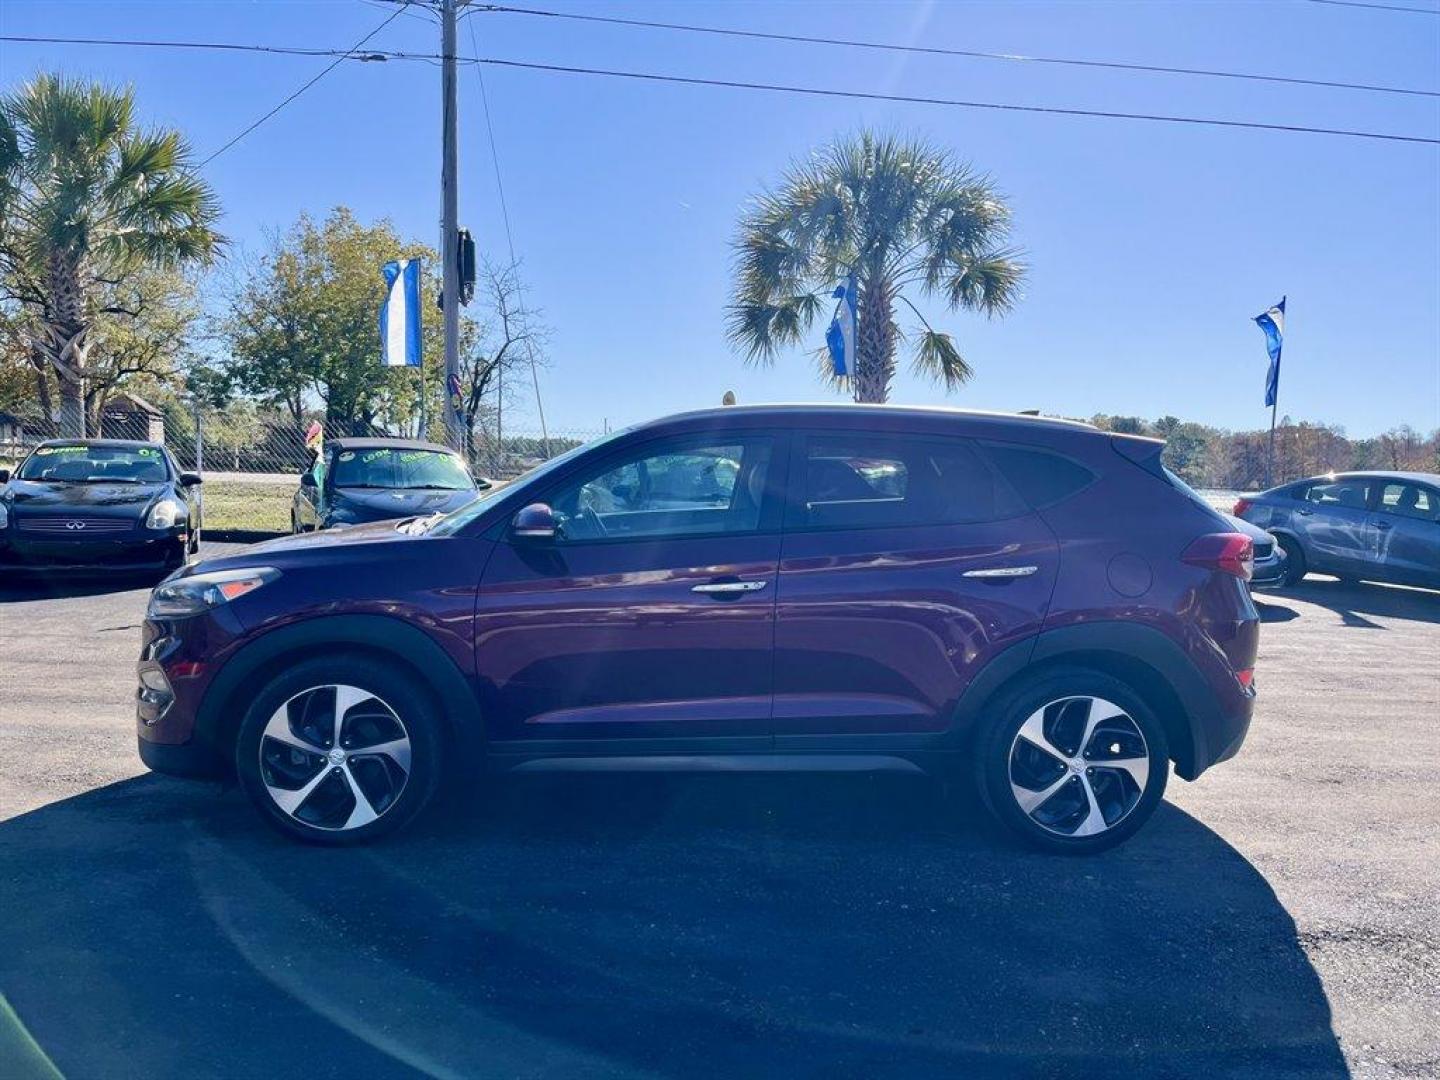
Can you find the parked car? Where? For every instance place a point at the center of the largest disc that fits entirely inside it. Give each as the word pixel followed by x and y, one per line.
pixel 849 587
pixel 98 504
pixel 1268 571
pixel 1376 526
pixel 355 481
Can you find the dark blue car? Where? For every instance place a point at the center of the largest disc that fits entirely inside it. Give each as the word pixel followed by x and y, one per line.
pixel 1376 526
pixel 356 481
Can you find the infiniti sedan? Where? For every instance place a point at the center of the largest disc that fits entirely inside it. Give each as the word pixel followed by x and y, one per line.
pixel 355 481
pixel 98 504
pixel 1376 526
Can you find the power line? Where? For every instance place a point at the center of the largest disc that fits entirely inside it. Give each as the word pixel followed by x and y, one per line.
pixel 354 53
pixel 1379 7
pixel 509 243
pixel 1160 118
pixel 304 86
pixel 932 50
pixel 223 46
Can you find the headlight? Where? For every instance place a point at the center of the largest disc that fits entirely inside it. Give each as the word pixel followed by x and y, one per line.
pixel 201 592
pixel 165 514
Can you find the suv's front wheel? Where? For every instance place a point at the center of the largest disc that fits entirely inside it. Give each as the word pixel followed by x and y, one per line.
pixel 1075 762
pixel 339 751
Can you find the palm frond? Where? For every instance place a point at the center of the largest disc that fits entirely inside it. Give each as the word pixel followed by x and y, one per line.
pixel 989 283
pixel 937 358
pixel 762 328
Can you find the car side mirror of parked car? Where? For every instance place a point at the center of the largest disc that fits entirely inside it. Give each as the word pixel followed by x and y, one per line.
pixel 190 479
pixel 535 522
pixel 307 478
pixel 4 475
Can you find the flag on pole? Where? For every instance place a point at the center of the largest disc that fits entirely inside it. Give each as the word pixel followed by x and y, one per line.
pixel 314 436
pixel 400 314
pixel 841 335
pixel 1273 323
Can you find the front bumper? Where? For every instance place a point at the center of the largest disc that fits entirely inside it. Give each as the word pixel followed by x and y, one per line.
pixel 178 660
pixel 158 551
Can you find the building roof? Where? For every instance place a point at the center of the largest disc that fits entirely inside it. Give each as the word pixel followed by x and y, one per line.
pixel 136 402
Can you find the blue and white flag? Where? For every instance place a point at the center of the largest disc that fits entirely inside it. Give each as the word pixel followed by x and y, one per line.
pixel 1273 323
pixel 841 335
pixel 400 314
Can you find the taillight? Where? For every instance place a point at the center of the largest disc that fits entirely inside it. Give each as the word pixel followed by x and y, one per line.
pixel 1230 553
pixel 1241 505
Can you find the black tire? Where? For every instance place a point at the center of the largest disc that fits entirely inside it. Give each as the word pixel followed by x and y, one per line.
pixel 1130 804
pixel 1295 566
pixel 402 700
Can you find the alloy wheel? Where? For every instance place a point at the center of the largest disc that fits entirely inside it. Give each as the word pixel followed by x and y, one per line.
pixel 335 757
pixel 1078 766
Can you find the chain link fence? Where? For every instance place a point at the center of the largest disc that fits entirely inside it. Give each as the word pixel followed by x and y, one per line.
pixel 251 459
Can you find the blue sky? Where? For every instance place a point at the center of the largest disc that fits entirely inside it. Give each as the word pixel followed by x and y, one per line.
pixel 1151 246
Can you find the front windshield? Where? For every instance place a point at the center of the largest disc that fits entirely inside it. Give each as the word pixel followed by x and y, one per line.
pixel 456 520
pixel 392 467
pixel 85 463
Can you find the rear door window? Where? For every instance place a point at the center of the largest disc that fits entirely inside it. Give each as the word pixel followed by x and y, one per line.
pixel 1338 494
pixel 879 480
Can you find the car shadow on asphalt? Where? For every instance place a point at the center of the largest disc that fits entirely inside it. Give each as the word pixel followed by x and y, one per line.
pixel 33 586
pixel 1354 602
pixel 844 926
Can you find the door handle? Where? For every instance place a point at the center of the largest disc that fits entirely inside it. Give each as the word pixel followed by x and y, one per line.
pixel 1381 524
pixel 727 588
pixel 1001 572
pixel 1304 513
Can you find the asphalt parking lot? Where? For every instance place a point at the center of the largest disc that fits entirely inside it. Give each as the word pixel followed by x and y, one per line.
pixel 1279 918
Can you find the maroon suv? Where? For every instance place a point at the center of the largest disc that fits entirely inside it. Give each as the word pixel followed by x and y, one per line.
pixel 1035 604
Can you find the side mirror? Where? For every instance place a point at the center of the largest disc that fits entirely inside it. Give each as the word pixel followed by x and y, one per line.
pixel 535 522
pixel 190 479
pixel 4 475
pixel 307 478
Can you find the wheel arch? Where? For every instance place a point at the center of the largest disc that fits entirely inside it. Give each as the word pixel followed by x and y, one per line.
pixel 1141 657
pixel 381 637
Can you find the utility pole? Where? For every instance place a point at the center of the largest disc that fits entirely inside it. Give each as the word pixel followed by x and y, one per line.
pixel 450 220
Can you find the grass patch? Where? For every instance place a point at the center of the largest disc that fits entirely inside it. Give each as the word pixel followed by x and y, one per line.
pixel 236 504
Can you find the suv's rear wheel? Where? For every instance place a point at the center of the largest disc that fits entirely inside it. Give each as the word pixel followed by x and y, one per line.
pixel 1075 762
pixel 339 751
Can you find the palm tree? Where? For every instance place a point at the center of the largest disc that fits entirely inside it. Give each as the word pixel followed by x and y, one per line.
pixel 899 214
pixel 86 198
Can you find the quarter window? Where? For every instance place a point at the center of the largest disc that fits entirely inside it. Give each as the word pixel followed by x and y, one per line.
pixel 1041 477
pixel 714 486
pixel 882 480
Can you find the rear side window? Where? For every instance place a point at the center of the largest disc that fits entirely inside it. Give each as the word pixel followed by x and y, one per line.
pixel 1042 477
pixel 1339 494
pixel 877 480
